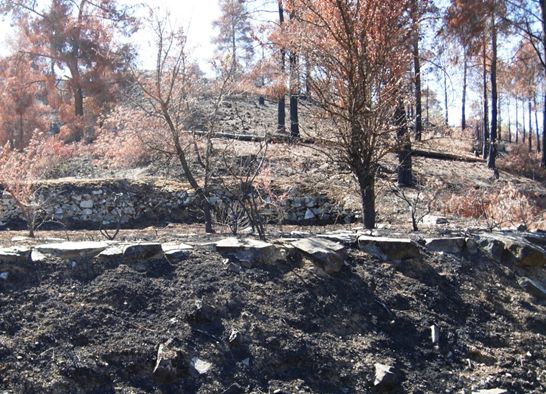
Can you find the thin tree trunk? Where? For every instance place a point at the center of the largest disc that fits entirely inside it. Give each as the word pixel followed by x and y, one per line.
pixel 463 107
pixel 530 126
pixel 509 122
pixel 294 93
pixel 78 101
pixel 499 116
pixel 536 123
pixel 544 131
pixel 485 150
pixel 404 143
pixel 494 97
pixel 445 100
pixel 281 109
pixel 418 105
pixel 517 121
pixel 523 124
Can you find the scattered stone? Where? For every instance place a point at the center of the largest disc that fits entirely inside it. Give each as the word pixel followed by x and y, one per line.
pixel 4 275
pixel 435 334
pixel 328 254
pixel 386 376
pixel 73 250
pixel 533 287
pixel 431 220
pixel 201 366
pixel 453 245
pixel 385 248
pixel 309 214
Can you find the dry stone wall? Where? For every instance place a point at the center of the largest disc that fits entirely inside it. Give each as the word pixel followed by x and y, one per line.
pixel 104 204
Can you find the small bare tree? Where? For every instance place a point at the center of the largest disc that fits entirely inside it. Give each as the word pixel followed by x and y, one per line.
pixel 170 94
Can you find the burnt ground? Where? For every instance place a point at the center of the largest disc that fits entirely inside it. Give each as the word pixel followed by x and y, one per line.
pixel 282 328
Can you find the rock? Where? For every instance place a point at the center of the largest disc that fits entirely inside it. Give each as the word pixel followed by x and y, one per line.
pixel 328 254
pixel 86 204
pixel 491 391
pixel 386 376
pixel 453 245
pixel 73 250
pixel 37 257
pixel 15 255
pixel 386 248
pixel 143 251
pixel 471 246
pixel 521 251
pixel 309 214
pixel 533 287
pixel 112 253
pixel 201 366
pixel 169 363
pixel 432 220
pixel 342 236
pixel 176 251
pixel 435 334
pixel 250 251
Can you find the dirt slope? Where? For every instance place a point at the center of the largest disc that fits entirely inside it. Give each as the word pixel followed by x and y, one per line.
pixel 282 328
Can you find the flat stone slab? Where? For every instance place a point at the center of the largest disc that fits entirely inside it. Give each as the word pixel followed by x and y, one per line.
pixel 344 237
pixel 328 254
pixel 15 255
pixel 175 251
pixel 533 287
pixel 73 250
pixel 143 251
pixel 249 250
pixel 386 248
pixel 491 391
pixel 453 245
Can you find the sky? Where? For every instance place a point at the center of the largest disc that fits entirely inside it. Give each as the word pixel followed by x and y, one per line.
pixel 195 16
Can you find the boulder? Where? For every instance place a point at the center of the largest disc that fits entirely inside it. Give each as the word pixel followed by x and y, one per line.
pixel 200 366
pixel 514 247
pixel 250 251
pixel 385 248
pixel 327 254
pixel 73 250
pixel 453 245
pixel 533 287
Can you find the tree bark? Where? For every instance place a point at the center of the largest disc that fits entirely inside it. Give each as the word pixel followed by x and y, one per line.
pixel 485 149
pixel 494 97
pixel 405 177
pixel 536 123
pixel 78 101
pixel 463 107
pixel 281 108
pixel 530 126
pixel 366 183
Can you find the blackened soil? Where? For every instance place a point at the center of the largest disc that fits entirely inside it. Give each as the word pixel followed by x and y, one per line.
pixel 283 328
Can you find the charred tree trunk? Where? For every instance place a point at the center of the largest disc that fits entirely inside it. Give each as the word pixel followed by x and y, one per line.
pixel 78 101
pixel 523 123
pixel 517 121
pixel 418 105
pixel 485 150
pixel 281 110
pixel 445 100
pixel 509 122
pixel 493 141
pixel 536 123
pixel 294 96
pixel 530 126
pixel 544 131
pixel 366 183
pixel 463 108
pixel 405 177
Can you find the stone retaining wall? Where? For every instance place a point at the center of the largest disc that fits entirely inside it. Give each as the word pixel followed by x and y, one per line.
pixel 104 204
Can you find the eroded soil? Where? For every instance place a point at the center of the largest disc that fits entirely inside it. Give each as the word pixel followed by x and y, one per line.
pixel 285 326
